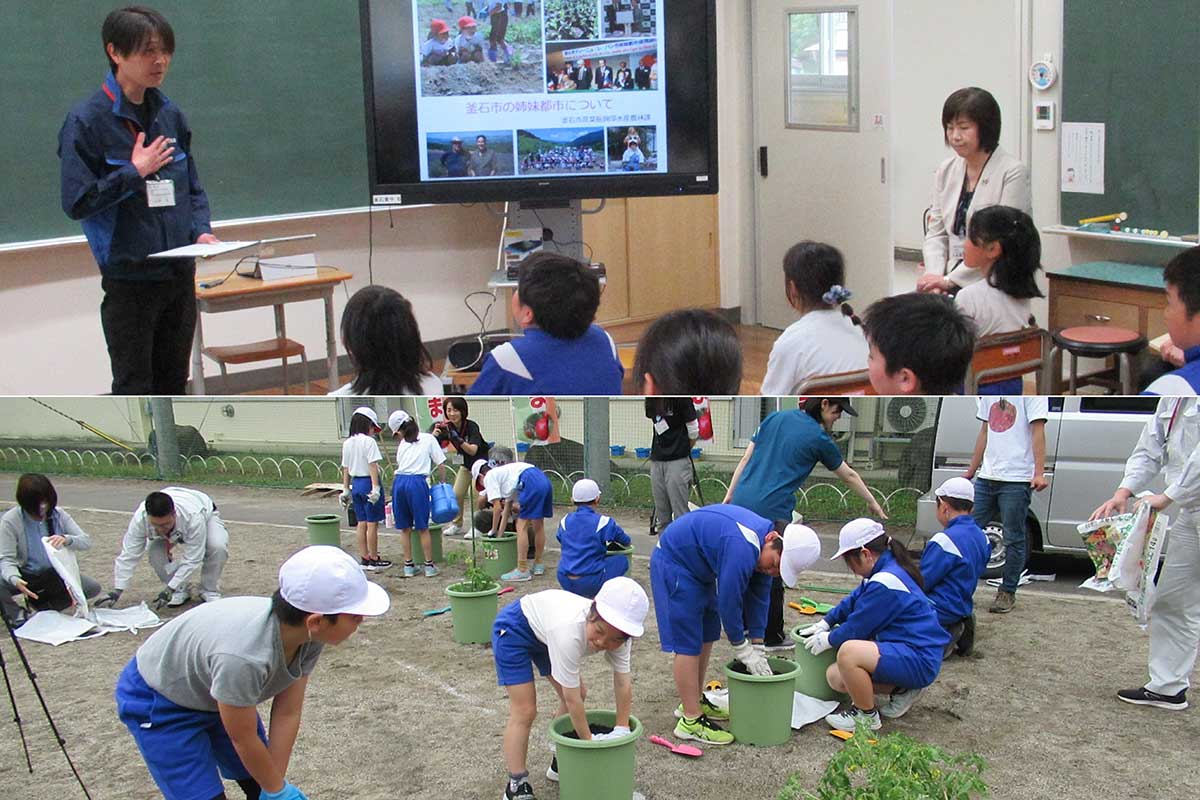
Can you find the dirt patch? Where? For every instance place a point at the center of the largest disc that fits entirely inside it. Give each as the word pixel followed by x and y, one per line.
pixel 525 77
pixel 400 709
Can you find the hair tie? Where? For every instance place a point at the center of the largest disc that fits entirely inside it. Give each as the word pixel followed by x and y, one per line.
pixel 837 294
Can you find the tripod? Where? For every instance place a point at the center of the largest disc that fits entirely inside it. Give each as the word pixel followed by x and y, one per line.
pixel 62 743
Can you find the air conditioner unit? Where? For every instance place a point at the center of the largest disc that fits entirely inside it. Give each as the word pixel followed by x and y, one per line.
pixel 903 416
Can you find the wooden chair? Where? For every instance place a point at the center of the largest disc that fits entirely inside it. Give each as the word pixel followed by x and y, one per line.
pixel 1003 356
pixel 841 383
pixel 280 347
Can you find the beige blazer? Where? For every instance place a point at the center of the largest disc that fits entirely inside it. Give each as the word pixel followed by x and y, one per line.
pixel 1004 182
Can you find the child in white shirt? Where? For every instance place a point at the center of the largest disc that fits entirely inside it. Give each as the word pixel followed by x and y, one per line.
pixel 416 456
pixel 360 485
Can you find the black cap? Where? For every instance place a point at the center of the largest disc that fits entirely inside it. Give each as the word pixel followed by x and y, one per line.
pixel 844 404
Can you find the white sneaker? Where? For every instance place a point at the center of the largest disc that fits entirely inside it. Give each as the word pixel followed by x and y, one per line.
pixel 178 598
pixel 471 534
pixel 899 702
pixel 210 597
pixel 451 530
pixel 552 770
pixel 847 720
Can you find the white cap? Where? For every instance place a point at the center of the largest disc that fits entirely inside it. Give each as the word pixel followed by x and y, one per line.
pixel 622 603
pixel 855 534
pixel 585 490
pixel 322 579
pixel 397 418
pixel 801 549
pixel 369 413
pixel 477 468
pixel 960 488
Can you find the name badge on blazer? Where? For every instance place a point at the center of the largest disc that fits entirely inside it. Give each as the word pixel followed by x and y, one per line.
pixel 160 194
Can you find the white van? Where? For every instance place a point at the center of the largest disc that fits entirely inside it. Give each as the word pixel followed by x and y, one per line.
pixel 1088 439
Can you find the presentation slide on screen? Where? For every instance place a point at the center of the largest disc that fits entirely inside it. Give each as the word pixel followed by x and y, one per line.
pixel 540 89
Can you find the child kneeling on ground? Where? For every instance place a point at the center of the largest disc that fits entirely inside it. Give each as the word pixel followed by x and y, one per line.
pixel 554 630
pixel 584 537
pixel 529 487
pixel 189 694
pixel 954 561
pixel 888 637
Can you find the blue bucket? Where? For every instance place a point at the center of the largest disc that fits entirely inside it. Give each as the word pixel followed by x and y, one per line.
pixel 522 447
pixel 642 452
pixel 617 449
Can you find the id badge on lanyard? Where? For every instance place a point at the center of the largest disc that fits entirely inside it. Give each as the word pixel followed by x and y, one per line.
pixel 160 193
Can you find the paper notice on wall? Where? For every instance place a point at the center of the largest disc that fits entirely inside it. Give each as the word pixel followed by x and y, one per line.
pixel 1083 157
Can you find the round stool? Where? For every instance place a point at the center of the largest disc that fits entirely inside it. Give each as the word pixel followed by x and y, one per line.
pixel 1099 341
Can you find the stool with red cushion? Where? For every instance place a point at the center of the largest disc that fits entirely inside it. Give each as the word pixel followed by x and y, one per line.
pixel 1099 341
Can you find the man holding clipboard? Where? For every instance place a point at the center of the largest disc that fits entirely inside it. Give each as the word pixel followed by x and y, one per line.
pixel 129 176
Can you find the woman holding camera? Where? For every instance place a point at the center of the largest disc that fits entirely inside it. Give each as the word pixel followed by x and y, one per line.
pixel 463 435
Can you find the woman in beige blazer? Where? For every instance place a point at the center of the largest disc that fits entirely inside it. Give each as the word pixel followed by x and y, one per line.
pixel 979 174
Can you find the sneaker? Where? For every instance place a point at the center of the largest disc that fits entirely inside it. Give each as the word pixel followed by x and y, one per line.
pixel 452 530
pixel 431 571
pixel 381 563
pixel 1145 697
pixel 367 565
pixel 702 729
pixel 783 646
pixel 552 770
pixel 410 571
pixel 1003 603
pixel 966 642
pixel 523 792
pixel 179 598
pixel 899 702
pixel 471 534
pixel 539 570
pixel 707 709
pixel 516 576
pixel 847 720
pixel 210 597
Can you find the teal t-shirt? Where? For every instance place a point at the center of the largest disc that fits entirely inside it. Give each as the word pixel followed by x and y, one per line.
pixel 787 446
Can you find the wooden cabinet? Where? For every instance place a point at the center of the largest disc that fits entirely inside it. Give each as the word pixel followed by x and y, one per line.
pixel 660 254
pixel 1074 302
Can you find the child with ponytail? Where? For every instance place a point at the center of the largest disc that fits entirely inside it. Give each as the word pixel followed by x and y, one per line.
pixel 887 633
pixel 1004 246
pixel 827 339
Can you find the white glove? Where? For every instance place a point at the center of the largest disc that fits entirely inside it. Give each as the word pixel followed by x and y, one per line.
pixel 344 497
pixel 373 495
pixel 755 662
pixel 761 649
pixel 817 627
pixel 617 732
pixel 817 643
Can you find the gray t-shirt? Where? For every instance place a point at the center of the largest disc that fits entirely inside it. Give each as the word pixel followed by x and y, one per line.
pixel 228 651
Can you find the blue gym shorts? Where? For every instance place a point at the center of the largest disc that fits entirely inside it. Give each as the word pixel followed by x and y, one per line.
pixel 685 608
pixel 516 649
pixel 582 585
pixel 536 495
pixel 904 666
pixel 360 487
pixel 410 502
pixel 186 751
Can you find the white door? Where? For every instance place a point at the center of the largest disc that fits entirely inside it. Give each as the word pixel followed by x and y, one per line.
pixel 822 79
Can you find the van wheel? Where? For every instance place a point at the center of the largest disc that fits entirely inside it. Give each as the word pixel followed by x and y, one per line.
pixel 994 532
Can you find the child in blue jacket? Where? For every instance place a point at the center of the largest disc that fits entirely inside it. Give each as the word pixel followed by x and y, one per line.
pixel 954 561
pixel 887 632
pixel 585 536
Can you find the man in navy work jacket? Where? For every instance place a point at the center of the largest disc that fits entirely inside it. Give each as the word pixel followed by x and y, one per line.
pixel 129 176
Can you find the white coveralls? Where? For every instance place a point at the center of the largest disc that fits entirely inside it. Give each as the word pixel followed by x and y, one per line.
pixel 199 542
pixel 1171 441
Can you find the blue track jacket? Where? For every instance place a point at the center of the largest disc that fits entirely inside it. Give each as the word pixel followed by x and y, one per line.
pixel 888 607
pixel 538 363
pixel 952 564
pixel 722 543
pixel 584 535
pixel 101 187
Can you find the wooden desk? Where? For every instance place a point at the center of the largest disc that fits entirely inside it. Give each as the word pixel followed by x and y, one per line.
pixel 1131 295
pixel 240 292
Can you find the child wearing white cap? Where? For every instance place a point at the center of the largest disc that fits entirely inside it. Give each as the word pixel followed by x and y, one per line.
pixel 416 456
pixel 555 630
pixel 954 561
pixel 529 487
pixel 361 485
pixel 584 537
pixel 713 567
pixel 189 694
pixel 886 632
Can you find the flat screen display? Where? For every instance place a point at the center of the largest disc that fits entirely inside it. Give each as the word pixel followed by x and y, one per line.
pixel 545 100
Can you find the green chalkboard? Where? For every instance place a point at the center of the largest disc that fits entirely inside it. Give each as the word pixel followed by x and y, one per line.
pixel 1135 66
pixel 272 88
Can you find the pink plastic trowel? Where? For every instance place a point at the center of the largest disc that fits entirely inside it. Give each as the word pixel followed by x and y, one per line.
pixel 681 749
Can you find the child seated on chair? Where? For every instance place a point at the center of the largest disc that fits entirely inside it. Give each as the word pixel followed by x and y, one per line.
pixel 953 562
pixel 1003 245
pixel 827 339
pixel 584 537
pixel 919 344
pixel 1182 315
pixel 562 351
pixel 382 339
pixel 690 352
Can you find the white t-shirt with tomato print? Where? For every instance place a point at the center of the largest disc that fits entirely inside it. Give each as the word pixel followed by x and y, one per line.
pixel 1009 452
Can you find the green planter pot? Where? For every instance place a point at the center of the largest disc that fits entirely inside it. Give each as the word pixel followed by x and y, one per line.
pixel 616 562
pixel 595 770
pixel 810 676
pixel 503 557
pixel 760 706
pixel 324 529
pixel 474 613
pixel 435 540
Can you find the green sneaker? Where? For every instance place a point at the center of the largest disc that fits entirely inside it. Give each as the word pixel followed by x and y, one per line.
pixel 707 709
pixel 702 729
